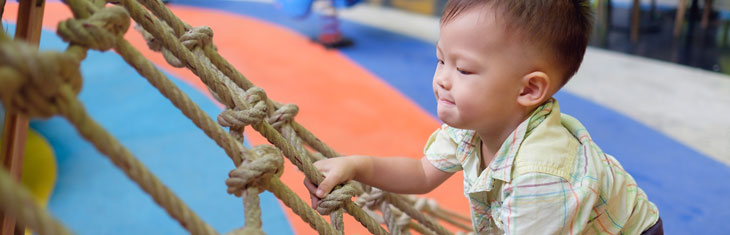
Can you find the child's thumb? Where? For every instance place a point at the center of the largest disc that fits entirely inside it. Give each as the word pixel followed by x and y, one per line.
pixel 327 184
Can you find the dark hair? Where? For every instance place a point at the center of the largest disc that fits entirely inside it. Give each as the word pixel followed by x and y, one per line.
pixel 563 27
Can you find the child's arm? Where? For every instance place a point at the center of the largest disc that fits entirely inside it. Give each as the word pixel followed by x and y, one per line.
pixel 394 174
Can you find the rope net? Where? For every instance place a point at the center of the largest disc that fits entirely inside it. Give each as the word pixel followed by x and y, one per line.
pixel 45 84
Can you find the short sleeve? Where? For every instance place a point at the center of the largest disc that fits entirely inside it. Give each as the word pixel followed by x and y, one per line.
pixel 440 150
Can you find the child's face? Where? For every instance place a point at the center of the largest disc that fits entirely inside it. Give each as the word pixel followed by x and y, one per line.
pixel 478 76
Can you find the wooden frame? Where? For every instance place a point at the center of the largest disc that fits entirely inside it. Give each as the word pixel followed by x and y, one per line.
pixel 15 129
pixel 682 9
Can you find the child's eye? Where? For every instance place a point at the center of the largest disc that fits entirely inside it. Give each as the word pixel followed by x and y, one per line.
pixel 463 71
pixel 440 61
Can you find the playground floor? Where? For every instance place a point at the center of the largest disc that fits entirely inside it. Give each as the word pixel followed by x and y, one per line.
pixel 667 124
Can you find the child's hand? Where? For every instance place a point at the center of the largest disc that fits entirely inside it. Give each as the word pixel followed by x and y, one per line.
pixel 335 171
pixel 393 174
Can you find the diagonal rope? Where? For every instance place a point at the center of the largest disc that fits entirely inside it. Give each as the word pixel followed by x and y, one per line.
pixel 154 26
pixel 180 27
pixel 102 30
pixel 44 86
pixel 181 101
pixel 18 202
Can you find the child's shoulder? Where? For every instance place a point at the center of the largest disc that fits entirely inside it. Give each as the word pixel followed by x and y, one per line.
pixel 551 148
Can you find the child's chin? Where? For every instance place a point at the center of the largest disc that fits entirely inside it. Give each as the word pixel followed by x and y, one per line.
pixel 446 118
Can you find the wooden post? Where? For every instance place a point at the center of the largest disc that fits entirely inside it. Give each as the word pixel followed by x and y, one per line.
pixel 635 24
pixel 706 14
pixel 2 8
pixel 679 18
pixel 30 19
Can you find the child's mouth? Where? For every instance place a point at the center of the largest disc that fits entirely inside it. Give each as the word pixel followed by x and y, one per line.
pixel 445 101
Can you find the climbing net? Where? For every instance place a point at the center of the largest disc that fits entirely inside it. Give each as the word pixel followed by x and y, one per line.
pixel 44 84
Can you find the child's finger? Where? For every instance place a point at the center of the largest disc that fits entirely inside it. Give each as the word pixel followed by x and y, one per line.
pixel 327 184
pixel 310 186
pixel 314 199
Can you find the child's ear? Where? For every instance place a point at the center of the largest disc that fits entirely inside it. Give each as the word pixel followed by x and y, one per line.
pixel 535 87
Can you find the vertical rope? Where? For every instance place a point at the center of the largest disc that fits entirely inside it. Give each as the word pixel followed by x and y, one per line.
pixel 299 207
pixel 389 219
pixel 252 209
pixel 336 220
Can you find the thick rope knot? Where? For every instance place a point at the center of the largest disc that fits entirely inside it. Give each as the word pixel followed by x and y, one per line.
pixel 374 199
pixel 284 114
pixel 235 118
pixel 266 162
pixel 421 204
pixel 335 199
pixel 425 204
pixel 197 37
pixel 34 83
pixel 100 31
pixel 403 220
pixel 239 118
pixel 371 199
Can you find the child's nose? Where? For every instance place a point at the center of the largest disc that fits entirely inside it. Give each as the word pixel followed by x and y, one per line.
pixel 442 80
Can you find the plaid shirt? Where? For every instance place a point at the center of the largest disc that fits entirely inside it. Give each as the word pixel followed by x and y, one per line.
pixel 548 177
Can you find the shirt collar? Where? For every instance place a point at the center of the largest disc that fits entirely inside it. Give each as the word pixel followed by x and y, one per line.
pixel 501 166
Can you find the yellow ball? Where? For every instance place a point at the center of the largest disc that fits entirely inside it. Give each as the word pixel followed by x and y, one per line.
pixel 39 168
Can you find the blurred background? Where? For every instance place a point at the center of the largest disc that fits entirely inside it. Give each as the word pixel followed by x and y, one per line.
pixel 699 39
pixel 653 91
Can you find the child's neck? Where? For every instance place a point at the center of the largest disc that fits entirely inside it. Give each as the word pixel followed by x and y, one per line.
pixel 492 140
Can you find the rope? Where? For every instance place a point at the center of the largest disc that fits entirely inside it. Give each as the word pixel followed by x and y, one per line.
pixel 48 89
pixel 280 119
pixel 16 201
pixel 191 110
pixel 284 115
pixel 268 163
pixel 301 208
pixel 33 81
pixel 152 25
pixel 252 211
pixel 336 199
pixel 239 79
pixel 431 206
pixel 100 31
pixel 104 29
pixel 374 198
pixel 239 118
pixel 156 45
pixel 246 231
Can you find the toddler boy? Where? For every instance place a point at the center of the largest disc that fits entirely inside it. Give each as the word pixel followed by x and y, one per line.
pixel 528 169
